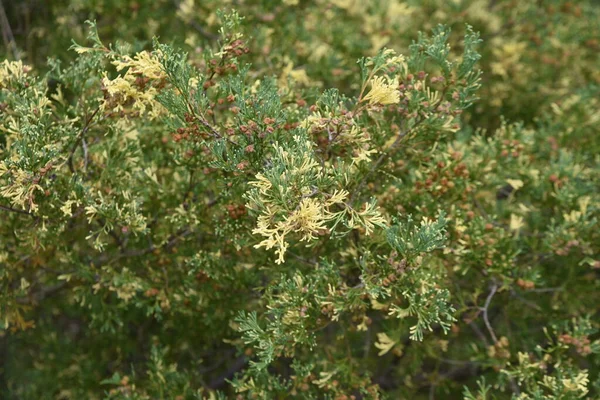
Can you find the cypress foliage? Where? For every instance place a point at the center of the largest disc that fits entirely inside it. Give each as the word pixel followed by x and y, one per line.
pixel 313 200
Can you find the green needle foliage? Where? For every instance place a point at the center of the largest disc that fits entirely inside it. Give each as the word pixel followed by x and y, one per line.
pixel 313 200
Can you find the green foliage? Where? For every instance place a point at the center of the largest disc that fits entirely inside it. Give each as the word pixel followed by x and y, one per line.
pixel 312 200
pixel 410 241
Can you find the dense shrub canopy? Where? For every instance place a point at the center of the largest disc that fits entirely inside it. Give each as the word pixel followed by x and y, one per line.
pixel 300 199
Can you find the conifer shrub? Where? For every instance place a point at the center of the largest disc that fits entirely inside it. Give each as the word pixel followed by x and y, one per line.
pixel 311 200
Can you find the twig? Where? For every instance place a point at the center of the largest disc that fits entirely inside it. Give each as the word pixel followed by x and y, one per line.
pixel 486 319
pixel 382 158
pixel 10 209
pixel 459 362
pixel 207 35
pixel 396 143
pixel 213 130
pixel 216 365
pixel 112 234
pixel 479 334
pixel 171 241
pixel 7 35
pixel 432 391
pixel 198 27
pixel 367 346
pixel 85 154
pixel 213 201
pixel 485 214
pixel 545 290
pixel 525 301
pixel 238 365
pixel 80 137
pixel 42 293
pixel 301 259
pixel 190 186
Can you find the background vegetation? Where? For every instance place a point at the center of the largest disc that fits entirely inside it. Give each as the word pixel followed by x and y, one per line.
pixel 300 199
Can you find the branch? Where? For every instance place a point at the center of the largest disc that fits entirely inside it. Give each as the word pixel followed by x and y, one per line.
pixel 42 293
pixel 80 138
pixel 112 234
pixel 213 130
pixel 237 366
pixel 486 320
pixel 479 333
pixel 382 158
pixel 203 32
pixel 525 301
pixel 396 143
pixel 14 210
pixel 7 35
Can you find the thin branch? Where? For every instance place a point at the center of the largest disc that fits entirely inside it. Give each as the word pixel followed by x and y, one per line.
pixel 383 157
pixel 485 308
pixel 479 333
pixel 525 301
pixel 7 35
pixel 85 154
pixel 42 293
pixel 190 186
pixel 237 366
pixel 392 149
pixel 486 320
pixel 80 137
pixel 203 32
pixel 432 391
pixel 112 234
pixel 213 201
pixel 15 210
pixel 213 130
pixel 545 290
pixel 459 362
